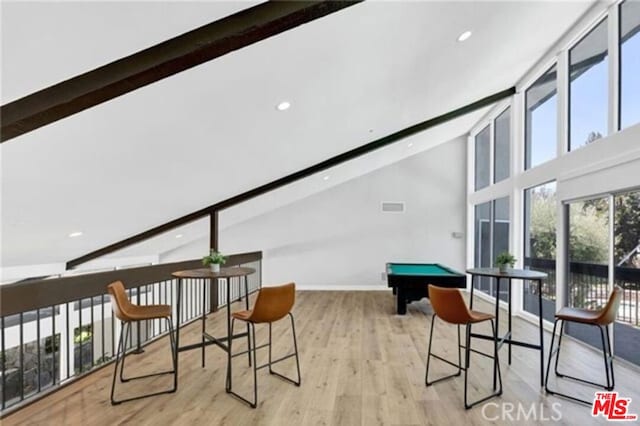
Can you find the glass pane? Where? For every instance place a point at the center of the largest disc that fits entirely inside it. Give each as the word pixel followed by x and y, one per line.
pixel 588 261
pixel 483 152
pixel 588 88
pixel 541 119
pixel 540 220
pixel 502 145
pixel 500 238
pixel 483 243
pixel 629 63
pixel 627 275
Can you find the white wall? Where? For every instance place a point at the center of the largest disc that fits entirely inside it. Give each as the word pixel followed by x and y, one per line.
pixel 14 273
pixel 339 238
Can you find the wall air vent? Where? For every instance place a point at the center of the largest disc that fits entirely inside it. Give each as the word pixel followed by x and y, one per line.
pixel 393 206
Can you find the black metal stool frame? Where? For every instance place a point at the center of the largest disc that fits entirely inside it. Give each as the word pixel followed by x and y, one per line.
pixel 253 350
pixel 606 353
pixel 467 352
pixel 124 335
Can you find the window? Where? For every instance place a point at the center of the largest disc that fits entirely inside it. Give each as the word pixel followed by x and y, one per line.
pixel 588 88
pixel 540 120
pixel 483 243
pixel 483 153
pixel 629 63
pixel 588 266
pixel 540 220
pixel 500 237
pixel 491 239
pixel 502 143
pixel 626 237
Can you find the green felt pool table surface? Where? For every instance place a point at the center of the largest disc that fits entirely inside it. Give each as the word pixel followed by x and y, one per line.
pixel 410 281
pixel 426 269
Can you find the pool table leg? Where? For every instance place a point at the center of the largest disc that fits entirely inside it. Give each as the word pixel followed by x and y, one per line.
pixel 401 301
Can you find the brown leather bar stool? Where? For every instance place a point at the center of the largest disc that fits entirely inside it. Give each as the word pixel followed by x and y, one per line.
pixel 129 313
pixel 272 304
pixel 448 305
pixel 601 319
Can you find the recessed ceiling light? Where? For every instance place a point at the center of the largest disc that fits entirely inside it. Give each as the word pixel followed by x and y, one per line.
pixel 464 36
pixel 179 236
pixel 75 234
pixel 326 177
pixel 283 106
pixel 410 144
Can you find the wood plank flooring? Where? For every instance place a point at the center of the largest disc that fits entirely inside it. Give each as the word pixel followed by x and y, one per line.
pixel 361 365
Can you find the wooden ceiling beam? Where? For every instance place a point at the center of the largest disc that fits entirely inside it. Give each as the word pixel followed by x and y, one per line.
pixel 158 62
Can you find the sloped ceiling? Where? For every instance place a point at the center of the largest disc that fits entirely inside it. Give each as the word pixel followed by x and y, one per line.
pixel 211 132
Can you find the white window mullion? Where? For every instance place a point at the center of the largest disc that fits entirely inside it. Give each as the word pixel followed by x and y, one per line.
pixel 614 68
pixel 563 103
pixel 516 140
pixel 612 265
pixel 517 136
pixel 492 151
pixel 471 164
pixel 562 234
pixel 515 243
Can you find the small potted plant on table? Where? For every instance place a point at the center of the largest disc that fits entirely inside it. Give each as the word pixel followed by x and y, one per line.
pixel 504 260
pixel 214 260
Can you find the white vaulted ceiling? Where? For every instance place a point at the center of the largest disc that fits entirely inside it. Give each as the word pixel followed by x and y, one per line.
pixel 213 131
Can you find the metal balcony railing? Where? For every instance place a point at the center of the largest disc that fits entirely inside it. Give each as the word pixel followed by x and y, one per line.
pixel 54 331
pixel 588 286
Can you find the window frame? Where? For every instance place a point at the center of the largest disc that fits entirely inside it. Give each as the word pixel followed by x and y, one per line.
pixel 587 31
pixel 489 129
pixel 526 124
pixel 494 120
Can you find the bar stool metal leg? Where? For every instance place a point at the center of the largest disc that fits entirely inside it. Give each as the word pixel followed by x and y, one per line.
pixel 430 354
pixel 610 358
pixel 253 350
pixel 496 367
pixel 122 349
pixel 295 352
pixel 115 369
pixel 608 363
pixel 246 304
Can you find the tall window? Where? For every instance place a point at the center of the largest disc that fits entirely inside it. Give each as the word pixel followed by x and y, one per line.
pixel 588 269
pixel 588 88
pixel 502 141
pixel 540 219
pixel 482 248
pixel 483 154
pixel 541 119
pixel 500 238
pixel 491 239
pixel 629 63
pixel 626 234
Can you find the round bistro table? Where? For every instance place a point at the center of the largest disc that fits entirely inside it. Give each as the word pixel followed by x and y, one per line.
pixel 209 277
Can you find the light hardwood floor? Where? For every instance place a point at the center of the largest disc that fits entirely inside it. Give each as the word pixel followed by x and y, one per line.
pixel 361 365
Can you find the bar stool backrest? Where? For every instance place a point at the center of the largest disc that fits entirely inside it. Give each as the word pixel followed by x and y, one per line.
pixel 610 310
pixel 448 304
pixel 119 301
pixel 273 303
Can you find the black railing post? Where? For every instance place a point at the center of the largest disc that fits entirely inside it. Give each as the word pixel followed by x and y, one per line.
pixel 138 349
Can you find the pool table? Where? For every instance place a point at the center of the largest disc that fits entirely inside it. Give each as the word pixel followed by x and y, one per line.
pixel 410 281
